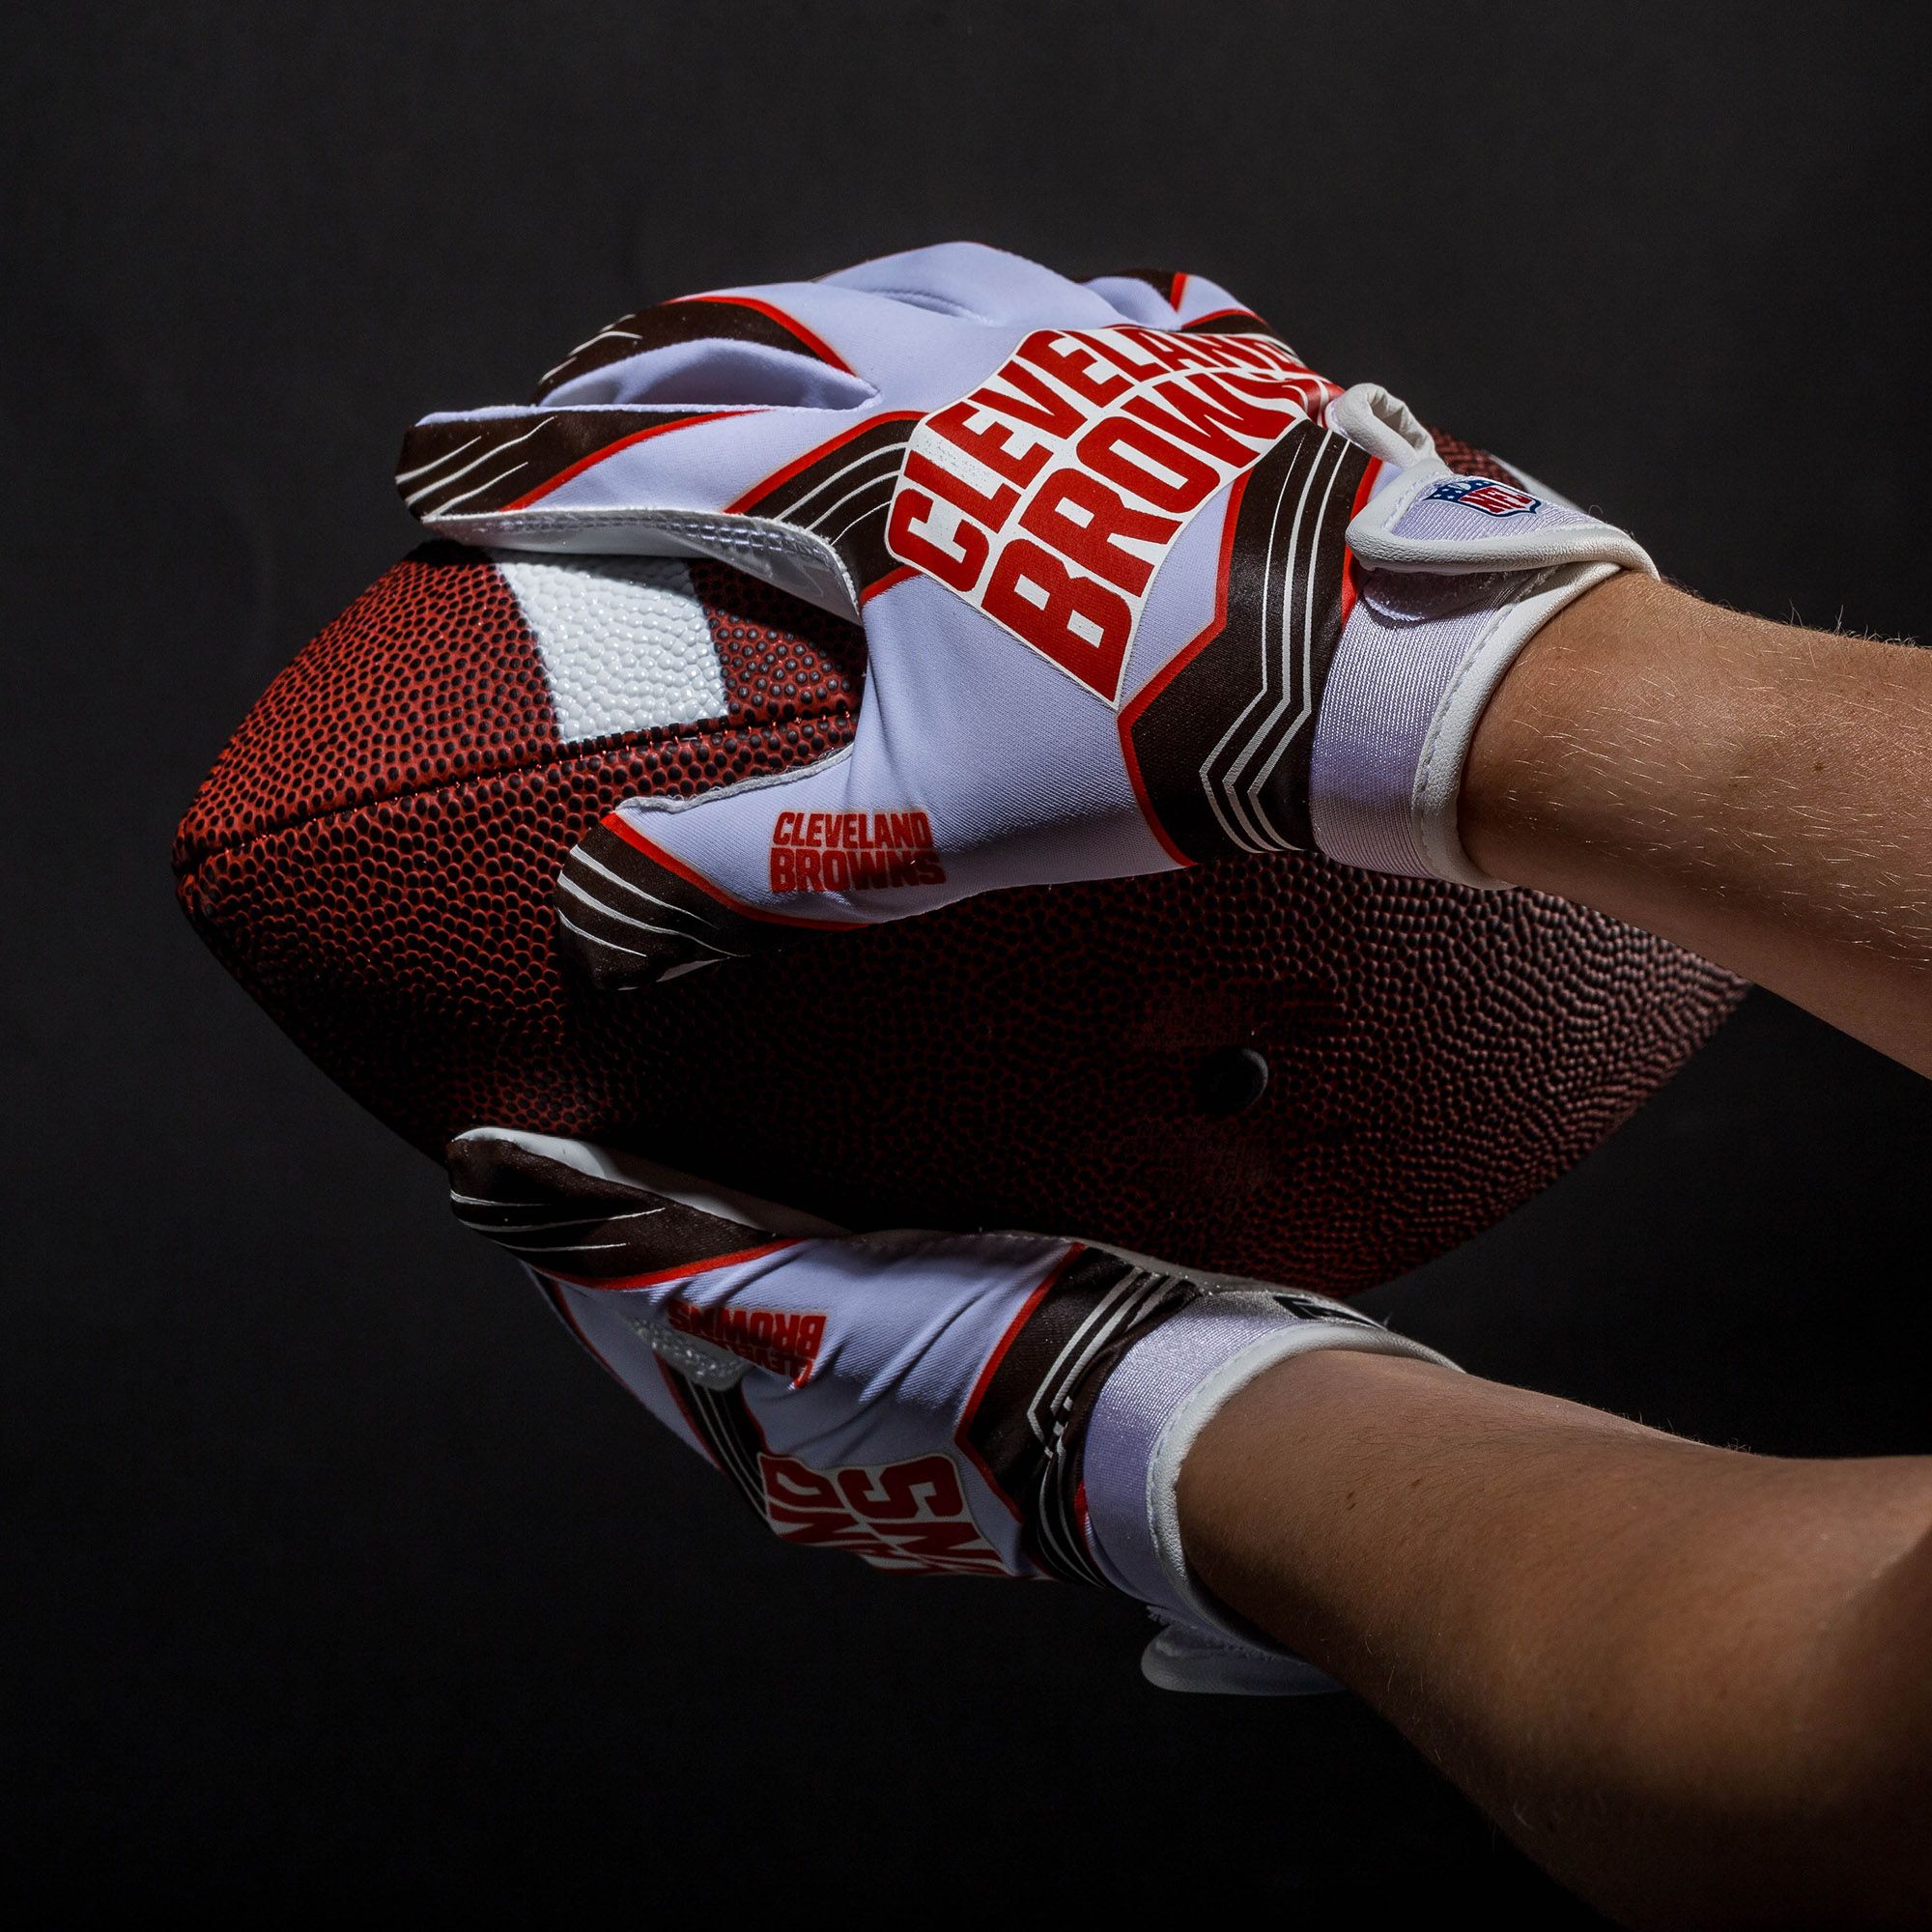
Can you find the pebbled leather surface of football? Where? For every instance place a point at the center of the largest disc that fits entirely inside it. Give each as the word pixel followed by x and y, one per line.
pixel 1275 1068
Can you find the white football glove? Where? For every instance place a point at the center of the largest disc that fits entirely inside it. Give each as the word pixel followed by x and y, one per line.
pixel 1139 588
pixel 987 1405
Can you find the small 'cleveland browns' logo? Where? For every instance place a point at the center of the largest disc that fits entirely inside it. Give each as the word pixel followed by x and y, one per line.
pixel 852 851
pixel 1049 496
pixel 783 1340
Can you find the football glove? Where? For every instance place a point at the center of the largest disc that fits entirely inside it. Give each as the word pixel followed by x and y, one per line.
pixel 995 1404
pixel 1139 588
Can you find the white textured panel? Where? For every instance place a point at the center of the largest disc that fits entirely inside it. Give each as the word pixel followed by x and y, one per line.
pixel 623 640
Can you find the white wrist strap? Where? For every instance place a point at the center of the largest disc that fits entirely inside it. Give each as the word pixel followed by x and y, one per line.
pixel 1454 576
pixel 1166 1389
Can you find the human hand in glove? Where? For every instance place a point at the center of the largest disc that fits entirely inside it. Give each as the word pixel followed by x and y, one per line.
pixel 996 1405
pixel 1139 588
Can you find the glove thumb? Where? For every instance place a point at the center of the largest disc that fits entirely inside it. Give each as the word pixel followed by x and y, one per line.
pixel 602 1217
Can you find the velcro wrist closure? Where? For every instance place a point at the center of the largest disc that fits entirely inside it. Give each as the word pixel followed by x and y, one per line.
pixel 1165 1390
pixel 1455 575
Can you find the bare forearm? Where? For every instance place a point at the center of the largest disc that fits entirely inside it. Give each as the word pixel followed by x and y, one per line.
pixel 1759 793
pixel 1689 1681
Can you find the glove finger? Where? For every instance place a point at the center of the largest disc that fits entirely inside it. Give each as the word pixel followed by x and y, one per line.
pixel 591 1222
pixel 760 455
pixel 633 908
pixel 705 349
pixel 969 280
pixel 1174 298
pixel 796 497
pixel 597 1217
pixel 663 887
pixel 459 467
pixel 887 828
pixel 845 339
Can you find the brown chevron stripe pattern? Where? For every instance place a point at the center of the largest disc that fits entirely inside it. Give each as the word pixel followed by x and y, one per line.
pixel 480 465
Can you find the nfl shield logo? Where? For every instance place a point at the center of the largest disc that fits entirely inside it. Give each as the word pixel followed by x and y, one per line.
pixel 1493 500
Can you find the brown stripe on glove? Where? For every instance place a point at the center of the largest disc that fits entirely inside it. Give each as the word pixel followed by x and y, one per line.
pixel 479 465
pixel 664 324
pixel 599 1229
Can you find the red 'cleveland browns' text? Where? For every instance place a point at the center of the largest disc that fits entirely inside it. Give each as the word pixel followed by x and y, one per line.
pixel 852 851
pixel 771 1338
pixel 1048 496
pixel 902 1516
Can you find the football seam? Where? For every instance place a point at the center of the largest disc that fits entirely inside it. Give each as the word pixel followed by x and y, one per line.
pixel 615 741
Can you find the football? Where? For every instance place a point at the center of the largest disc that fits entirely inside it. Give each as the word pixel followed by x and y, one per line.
pixel 1280 1069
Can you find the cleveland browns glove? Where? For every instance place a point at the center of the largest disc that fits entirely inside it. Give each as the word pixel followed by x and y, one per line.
pixel 1139 588
pixel 983 1405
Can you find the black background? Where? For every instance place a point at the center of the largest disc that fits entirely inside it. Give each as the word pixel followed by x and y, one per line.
pixel 339 1575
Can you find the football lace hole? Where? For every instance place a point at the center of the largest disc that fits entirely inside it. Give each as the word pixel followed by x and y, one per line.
pixel 1229 1081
